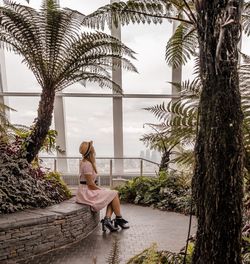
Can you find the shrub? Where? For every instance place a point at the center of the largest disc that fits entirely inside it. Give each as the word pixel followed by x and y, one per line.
pixel 23 186
pixel 164 257
pixel 166 192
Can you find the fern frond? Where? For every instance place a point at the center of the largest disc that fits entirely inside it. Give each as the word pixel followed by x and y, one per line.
pixel 246 18
pixel 136 11
pixel 184 158
pixel 182 45
pixel 55 49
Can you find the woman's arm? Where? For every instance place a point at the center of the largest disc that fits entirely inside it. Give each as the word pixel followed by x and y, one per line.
pixel 91 184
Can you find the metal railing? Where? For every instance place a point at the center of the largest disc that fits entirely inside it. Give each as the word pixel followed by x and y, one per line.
pixel 128 167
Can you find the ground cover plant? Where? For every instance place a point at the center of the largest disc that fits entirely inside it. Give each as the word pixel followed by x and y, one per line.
pixel 167 191
pixel 23 185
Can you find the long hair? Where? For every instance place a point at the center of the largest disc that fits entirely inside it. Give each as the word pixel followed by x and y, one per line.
pixel 88 153
pixel 91 158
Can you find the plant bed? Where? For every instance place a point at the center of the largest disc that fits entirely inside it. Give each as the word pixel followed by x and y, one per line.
pixel 23 185
pixel 165 192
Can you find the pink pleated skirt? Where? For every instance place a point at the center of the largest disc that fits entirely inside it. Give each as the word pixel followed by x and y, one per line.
pixel 96 199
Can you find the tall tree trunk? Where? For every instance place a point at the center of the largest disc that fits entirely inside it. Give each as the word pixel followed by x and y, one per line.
pixel 42 123
pixel 217 182
pixel 165 158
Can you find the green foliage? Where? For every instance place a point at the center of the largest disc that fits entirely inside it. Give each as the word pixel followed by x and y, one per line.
pixel 134 11
pixel 59 53
pixel 166 192
pixel 182 45
pixel 22 186
pixel 54 47
pixel 5 125
pixel 49 144
pixel 178 120
pixel 152 256
pixel 57 182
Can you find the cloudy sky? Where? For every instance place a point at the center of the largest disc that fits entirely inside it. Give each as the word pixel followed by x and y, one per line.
pixel 91 118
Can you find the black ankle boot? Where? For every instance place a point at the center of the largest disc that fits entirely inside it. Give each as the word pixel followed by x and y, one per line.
pixel 119 221
pixel 107 223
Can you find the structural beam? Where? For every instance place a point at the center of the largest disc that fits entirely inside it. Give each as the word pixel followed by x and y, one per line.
pixel 59 120
pixel 117 108
pixel 3 79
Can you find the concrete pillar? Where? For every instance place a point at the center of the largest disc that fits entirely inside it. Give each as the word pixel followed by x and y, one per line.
pixel 176 78
pixel 117 111
pixel 3 79
pixel 176 72
pixel 59 119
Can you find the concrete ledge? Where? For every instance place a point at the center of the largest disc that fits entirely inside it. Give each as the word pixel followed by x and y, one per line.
pixel 34 232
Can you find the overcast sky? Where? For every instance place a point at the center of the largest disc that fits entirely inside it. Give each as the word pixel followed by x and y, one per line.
pixel 88 118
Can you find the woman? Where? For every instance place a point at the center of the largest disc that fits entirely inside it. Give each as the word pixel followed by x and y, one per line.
pixel 89 193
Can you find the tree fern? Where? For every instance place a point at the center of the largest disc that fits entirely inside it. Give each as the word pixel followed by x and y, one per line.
pixel 183 43
pixel 59 54
pixel 178 119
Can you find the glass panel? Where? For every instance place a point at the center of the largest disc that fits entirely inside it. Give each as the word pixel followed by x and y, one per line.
pixel 19 77
pixel 134 127
pixel 26 109
pixel 89 119
pixel 245 44
pixel 149 42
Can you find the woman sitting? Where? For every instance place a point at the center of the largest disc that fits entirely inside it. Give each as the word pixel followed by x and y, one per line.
pixel 89 193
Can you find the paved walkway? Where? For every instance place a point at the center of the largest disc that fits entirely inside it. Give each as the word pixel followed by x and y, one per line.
pixel 168 230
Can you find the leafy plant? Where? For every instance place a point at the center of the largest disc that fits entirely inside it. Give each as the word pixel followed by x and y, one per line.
pixel 23 186
pixel 58 183
pixel 151 255
pixel 5 124
pixel 166 192
pixel 49 144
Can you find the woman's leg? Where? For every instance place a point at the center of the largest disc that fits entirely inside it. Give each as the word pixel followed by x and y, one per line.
pixel 116 206
pixel 109 210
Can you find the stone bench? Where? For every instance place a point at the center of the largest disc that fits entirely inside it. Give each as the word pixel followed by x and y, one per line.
pixel 37 231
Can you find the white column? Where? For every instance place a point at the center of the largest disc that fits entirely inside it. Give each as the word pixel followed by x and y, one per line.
pixel 3 78
pixel 59 118
pixel 176 78
pixel 117 111
pixel 176 72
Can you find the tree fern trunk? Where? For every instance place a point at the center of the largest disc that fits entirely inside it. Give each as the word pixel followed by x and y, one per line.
pixel 217 182
pixel 42 123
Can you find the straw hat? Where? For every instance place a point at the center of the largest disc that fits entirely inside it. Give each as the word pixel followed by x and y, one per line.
pixel 85 148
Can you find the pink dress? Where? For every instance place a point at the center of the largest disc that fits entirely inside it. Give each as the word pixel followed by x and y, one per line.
pixel 97 199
